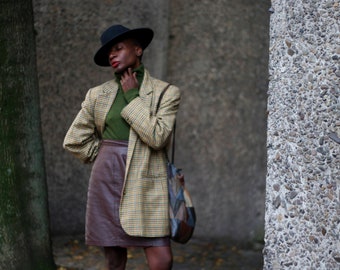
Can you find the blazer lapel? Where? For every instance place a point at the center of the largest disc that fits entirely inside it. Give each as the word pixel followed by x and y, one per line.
pixel 104 103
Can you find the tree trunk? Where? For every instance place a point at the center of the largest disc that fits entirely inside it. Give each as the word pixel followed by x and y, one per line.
pixel 24 222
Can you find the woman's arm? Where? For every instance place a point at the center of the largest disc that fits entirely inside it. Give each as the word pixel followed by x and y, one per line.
pixel 82 139
pixel 154 130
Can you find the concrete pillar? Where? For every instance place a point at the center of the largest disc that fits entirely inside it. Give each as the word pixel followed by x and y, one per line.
pixel 302 221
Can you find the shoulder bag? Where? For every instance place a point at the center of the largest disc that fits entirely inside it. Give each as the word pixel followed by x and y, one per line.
pixel 181 210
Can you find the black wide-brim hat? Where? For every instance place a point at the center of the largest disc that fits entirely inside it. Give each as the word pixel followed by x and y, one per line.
pixel 117 33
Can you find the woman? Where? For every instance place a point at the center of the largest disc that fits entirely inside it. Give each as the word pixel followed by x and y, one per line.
pixel 123 129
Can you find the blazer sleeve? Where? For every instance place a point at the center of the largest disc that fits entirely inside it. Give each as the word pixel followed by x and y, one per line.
pixel 154 130
pixel 82 138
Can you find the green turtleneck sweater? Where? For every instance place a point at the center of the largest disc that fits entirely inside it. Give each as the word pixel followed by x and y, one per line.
pixel 116 128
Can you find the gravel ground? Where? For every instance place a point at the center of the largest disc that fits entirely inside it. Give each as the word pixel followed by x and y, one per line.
pixel 70 253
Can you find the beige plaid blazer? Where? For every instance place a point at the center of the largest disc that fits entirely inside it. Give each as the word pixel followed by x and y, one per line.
pixel 144 202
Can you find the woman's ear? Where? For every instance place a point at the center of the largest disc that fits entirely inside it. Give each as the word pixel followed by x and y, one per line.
pixel 139 51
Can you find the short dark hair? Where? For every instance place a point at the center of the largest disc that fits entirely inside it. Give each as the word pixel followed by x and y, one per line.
pixel 137 43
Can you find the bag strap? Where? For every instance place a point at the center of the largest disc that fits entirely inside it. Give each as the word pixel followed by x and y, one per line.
pixel 174 129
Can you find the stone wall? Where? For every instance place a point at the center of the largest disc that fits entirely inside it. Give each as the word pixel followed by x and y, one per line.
pixel 216 52
pixel 302 221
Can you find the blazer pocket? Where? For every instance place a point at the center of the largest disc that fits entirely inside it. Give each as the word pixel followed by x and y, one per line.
pixel 156 165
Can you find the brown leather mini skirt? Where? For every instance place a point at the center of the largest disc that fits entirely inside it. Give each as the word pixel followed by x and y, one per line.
pixel 103 227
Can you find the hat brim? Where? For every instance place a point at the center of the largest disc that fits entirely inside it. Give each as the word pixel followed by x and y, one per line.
pixel 142 35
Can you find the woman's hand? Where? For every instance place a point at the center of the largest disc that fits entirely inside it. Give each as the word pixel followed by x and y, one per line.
pixel 129 80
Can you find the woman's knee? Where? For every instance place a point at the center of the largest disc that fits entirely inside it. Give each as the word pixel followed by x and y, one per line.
pixel 159 258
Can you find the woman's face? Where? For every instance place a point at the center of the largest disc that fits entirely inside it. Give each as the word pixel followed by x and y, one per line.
pixel 125 54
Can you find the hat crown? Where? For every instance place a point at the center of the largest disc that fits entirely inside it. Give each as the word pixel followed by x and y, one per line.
pixel 113 32
pixel 117 33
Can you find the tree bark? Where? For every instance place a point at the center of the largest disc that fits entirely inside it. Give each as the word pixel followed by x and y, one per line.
pixel 24 222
